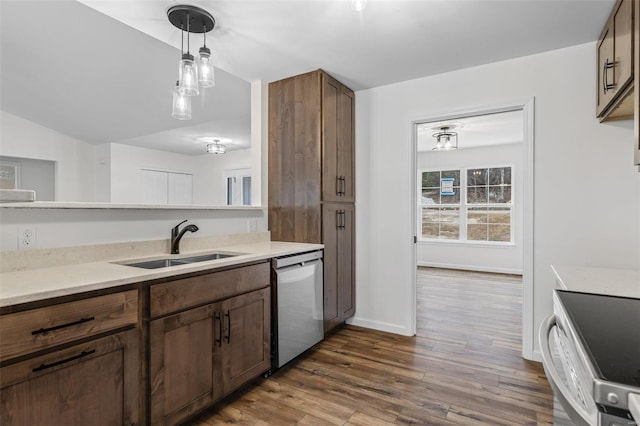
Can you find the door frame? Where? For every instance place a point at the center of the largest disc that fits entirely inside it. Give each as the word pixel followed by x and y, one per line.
pixel 526 105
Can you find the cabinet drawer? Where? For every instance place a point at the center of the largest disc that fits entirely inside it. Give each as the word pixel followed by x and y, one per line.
pixel 37 329
pixel 182 294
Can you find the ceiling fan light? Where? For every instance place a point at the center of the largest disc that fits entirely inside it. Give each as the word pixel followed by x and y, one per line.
pixel 181 104
pixel 188 76
pixel 205 68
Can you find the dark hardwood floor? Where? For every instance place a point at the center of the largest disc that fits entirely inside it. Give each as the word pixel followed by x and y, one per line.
pixel 463 367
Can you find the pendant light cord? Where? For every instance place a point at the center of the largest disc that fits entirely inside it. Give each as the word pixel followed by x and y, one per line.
pixel 181 40
pixel 188 33
pixel 204 33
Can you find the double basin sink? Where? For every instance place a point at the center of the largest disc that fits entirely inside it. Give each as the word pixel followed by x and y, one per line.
pixel 168 262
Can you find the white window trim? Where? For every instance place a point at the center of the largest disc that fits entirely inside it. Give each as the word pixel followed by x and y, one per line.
pixel 463 206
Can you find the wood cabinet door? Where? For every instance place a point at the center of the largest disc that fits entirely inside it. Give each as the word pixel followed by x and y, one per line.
pixel 346 144
pixel 246 342
pixel 606 69
pixel 94 383
pixel 295 158
pixel 623 43
pixel 331 180
pixel 338 221
pixel 346 262
pixel 337 141
pixel 330 220
pixel 181 371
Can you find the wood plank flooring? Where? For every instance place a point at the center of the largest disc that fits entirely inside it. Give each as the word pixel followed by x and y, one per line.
pixel 463 367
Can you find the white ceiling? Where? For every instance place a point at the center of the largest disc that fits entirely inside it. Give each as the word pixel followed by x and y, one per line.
pixel 124 77
pixel 388 42
pixel 475 132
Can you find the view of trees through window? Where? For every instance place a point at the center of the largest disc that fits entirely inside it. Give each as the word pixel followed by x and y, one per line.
pixel 467 204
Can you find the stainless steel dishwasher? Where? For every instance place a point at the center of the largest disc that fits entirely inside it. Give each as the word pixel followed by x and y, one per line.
pixel 298 301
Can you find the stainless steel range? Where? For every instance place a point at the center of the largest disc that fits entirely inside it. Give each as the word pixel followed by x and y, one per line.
pixel 597 375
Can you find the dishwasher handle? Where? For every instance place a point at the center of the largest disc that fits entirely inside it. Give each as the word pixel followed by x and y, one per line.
pixel 303 258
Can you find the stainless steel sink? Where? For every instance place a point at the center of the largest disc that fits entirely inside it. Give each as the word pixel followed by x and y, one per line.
pixel 166 263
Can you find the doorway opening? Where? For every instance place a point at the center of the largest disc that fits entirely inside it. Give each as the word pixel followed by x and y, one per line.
pixel 473 203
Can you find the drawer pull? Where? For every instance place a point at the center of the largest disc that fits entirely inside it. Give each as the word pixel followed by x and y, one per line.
pixel 58 327
pixel 54 364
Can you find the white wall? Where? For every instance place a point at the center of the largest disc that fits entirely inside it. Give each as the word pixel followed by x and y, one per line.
pixel 580 217
pixel 207 171
pixel 75 227
pixel 25 139
pixel 469 255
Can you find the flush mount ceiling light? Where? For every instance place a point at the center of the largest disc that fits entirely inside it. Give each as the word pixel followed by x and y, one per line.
pixel 445 139
pixel 191 76
pixel 215 145
pixel 216 148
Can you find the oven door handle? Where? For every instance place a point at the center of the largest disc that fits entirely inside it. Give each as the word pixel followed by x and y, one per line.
pixel 573 408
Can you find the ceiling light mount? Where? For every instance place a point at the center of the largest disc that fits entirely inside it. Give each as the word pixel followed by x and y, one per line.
pixel 196 19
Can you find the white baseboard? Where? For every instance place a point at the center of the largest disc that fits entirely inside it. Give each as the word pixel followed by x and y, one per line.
pixel 380 326
pixel 471 268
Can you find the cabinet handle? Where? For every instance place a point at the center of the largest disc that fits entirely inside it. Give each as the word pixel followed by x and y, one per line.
pixel 338 185
pixel 228 336
pixel 218 317
pixel 341 219
pixel 337 219
pixel 344 185
pixel 58 327
pixel 54 364
pixel 605 76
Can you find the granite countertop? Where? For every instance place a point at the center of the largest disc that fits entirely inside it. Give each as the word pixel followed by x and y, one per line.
pixel 38 284
pixel 613 282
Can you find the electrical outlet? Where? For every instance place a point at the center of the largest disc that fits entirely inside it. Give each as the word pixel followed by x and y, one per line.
pixel 27 237
pixel 252 225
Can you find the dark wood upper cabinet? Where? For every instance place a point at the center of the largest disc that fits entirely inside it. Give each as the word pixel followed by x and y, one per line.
pixel 616 64
pixel 338 141
pixel 311 153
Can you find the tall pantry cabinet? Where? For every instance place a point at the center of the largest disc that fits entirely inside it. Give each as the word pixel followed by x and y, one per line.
pixel 311 178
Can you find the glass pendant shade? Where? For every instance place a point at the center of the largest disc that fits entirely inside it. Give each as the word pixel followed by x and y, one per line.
pixel 181 104
pixel 188 76
pixel 205 68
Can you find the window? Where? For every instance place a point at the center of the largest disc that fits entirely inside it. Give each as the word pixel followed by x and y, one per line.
pixel 238 187
pixel 489 204
pixel 467 205
pixel 440 204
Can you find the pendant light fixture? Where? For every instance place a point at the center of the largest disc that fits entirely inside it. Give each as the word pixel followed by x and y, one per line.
pixel 181 104
pixel 445 139
pixel 191 19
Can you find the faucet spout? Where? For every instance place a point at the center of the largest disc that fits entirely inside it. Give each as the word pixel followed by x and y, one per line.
pixel 176 235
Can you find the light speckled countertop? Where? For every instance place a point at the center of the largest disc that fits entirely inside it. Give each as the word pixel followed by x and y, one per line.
pixel 613 282
pixel 38 284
